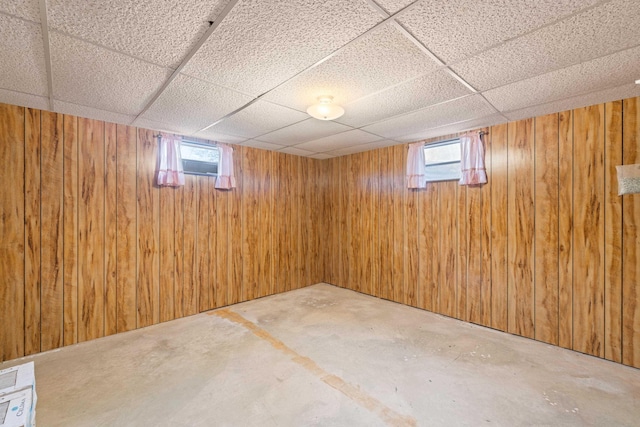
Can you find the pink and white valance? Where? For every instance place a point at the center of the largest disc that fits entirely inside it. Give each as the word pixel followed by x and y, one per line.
pixel 169 165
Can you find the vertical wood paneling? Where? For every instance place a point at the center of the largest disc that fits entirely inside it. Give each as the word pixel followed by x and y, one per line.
pixel 630 239
pixel 222 278
pixel 588 233
pixel 499 241
pixel 345 222
pixel 284 256
pixel 306 234
pixel 459 264
pixel 520 227
pixel 425 240
pixel 190 287
pixel 12 244
pixel 213 237
pixel 546 229
pixel 386 215
pixel 450 273
pixel 70 225
pixel 565 230
pixel 411 257
pixel 370 223
pixel 178 256
pixel 167 251
pixel 236 242
pixel 399 225
pixel 111 226
pixel 485 236
pixel 32 230
pixel 202 244
pixel 475 292
pixel 91 163
pixel 354 223
pixel 52 157
pixel 148 231
pixel 613 254
pixel 126 228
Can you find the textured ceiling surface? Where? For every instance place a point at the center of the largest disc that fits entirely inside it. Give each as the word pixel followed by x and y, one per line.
pixel 245 71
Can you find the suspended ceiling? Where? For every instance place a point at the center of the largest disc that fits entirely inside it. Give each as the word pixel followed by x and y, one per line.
pixel 245 71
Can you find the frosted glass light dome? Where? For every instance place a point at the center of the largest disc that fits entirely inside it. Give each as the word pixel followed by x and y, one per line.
pixel 325 110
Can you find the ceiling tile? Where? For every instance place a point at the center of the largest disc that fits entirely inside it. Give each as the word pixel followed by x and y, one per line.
pixel 259 118
pixel 192 104
pixel 456 29
pixel 162 32
pixel 596 32
pixel 467 108
pixel 212 135
pixel 341 140
pixel 261 44
pixel 24 99
pixel 22 67
pixel 392 6
pixel 602 73
pixel 27 9
pixel 363 147
pixel 296 151
pixel 162 127
pixel 347 75
pixel 491 120
pixel 91 113
pixel 86 74
pixel 307 130
pixel 263 145
pixel 621 92
pixel 413 95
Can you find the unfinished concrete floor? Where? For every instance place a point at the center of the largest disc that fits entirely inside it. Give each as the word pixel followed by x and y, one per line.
pixel 327 356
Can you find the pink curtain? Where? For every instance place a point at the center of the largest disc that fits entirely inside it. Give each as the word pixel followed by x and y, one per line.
pixel 472 160
pixel 416 166
pixel 226 179
pixel 169 166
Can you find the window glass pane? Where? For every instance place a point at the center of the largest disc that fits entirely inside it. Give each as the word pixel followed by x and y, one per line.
pixel 199 153
pixel 446 172
pixel 442 153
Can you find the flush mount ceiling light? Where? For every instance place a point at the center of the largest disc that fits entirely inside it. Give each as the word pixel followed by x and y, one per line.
pixel 325 110
pixel 638 82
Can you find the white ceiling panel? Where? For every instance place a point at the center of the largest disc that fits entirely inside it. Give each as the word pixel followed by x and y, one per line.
pixel 362 147
pixel 261 44
pixel 470 107
pixel 296 151
pixel 162 32
pixel 347 75
pixel 27 9
pixel 194 104
pixel 393 6
pixel 259 118
pixel 413 95
pixel 596 32
pixel 92 113
pixel 211 135
pixel 162 127
pixel 341 140
pixel 307 130
pixel 621 92
pixel 263 145
pixel 321 156
pixel 86 74
pixel 456 29
pixel 22 64
pixel 491 120
pixel 602 73
pixel 24 99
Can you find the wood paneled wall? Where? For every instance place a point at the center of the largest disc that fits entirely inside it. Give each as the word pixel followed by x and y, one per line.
pixel 90 246
pixel 546 249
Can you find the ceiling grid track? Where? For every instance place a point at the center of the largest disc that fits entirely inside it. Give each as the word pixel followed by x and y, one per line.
pixel 214 25
pixel 44 24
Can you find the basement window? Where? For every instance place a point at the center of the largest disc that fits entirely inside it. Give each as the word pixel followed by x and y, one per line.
pixel 442 160
pixel 199 158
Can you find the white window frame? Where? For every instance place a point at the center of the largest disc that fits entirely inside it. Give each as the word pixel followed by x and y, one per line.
pixel 188 164
pixel 428 165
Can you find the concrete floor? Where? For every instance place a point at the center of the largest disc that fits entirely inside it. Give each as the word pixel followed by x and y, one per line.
pixel 327 356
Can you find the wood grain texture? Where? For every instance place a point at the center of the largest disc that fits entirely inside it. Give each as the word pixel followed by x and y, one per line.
pixel 454 198
pixel 235 241
pixel 565 230
pixel 449 252
pixel 126 228
pixel 345 223
pixel 111 228
pixel 70 226
pixel 148 279
pixel 222 278
pixel 51 252
pixel 475 303
pixel 167 250
pixel 32 230
pixel 499 241
pixel 191 287
pixel 202 244
pixel 520 228
pixel 546 229
pixel 90 230
pixel 178 255
pixel 485 236
pixel 588 233
pixel 630 239
pixel 613 254
pixel 399 225
pixel 387 218
pixel 213 238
